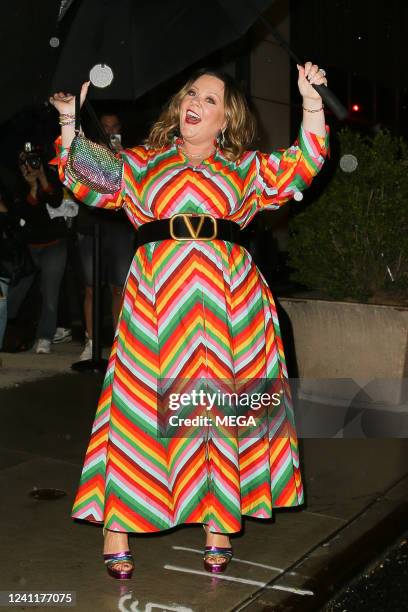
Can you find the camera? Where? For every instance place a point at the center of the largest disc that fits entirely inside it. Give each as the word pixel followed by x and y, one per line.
pixel 30 157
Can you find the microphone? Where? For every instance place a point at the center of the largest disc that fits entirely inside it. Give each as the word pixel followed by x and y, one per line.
pixel 326 94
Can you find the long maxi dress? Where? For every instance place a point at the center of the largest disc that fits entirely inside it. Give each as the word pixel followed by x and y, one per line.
pixel 192 309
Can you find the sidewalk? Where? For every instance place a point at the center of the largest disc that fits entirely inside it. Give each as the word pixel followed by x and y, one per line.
pixel 18 368
pixel 357 492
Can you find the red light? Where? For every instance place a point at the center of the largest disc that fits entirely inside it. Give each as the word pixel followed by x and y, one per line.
pixel 355 108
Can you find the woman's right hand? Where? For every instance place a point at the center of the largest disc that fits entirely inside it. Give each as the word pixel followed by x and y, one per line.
pixel 65 102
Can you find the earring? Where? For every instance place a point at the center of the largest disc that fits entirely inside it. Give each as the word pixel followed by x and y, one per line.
pixel 178 139
pixel 221 138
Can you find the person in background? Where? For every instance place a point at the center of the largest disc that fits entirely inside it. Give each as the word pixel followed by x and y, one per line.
pixel 117 244
pixel 71 281
pixel 3 275
pixel 16 264
pixel 112 127
pixel 46 239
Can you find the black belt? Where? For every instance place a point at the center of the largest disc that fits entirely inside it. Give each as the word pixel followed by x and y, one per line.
pixel 186 226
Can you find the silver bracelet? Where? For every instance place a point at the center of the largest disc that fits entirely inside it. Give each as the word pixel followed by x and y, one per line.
pixel 317 110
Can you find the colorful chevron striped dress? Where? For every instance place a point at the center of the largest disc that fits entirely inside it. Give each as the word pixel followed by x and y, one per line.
pixel 191 309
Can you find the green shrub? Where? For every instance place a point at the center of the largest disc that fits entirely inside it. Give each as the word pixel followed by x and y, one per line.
pixel 352 242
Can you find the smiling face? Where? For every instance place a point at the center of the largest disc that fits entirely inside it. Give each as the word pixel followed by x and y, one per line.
pixel 202 112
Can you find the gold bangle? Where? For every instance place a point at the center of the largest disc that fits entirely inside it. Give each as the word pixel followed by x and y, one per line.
pixel 63 123
pixel 317 110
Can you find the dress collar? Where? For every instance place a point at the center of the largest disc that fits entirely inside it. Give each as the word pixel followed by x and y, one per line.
pixel 178 141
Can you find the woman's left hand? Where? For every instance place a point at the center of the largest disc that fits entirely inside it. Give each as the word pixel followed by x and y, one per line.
pixel 308 75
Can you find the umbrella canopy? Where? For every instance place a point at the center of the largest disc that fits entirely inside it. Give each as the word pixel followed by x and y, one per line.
pixel 146 42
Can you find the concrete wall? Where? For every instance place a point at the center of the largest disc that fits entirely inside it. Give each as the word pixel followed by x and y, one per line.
pixel 270 80
pixel 365 343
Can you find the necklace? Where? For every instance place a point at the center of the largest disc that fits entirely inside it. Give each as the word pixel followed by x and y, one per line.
pixel 194 156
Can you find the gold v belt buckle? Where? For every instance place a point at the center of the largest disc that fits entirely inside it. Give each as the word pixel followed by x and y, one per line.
pixel 194 234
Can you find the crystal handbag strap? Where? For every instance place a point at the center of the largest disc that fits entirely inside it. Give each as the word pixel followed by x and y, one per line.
pixel 77 113
pixel 94 118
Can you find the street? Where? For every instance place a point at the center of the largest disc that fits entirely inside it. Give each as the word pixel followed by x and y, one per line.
pixel 46 424
pixel 382 587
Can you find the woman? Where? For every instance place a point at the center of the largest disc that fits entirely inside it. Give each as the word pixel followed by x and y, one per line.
pixel 46 240
pixel 193 308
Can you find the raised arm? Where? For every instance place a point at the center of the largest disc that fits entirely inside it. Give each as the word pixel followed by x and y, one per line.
pixel 283 174
pixel 65 105
pixel 313 109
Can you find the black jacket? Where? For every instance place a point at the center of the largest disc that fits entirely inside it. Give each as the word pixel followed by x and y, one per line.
pixel 37 227
pixel 15 259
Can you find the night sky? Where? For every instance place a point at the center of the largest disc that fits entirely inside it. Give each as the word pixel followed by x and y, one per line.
pixel 362 44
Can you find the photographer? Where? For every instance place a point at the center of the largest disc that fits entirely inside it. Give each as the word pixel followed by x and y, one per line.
pixel 46 239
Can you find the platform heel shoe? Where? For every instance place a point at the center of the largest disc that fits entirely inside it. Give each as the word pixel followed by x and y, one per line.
pixel 216 558
pixel 112 559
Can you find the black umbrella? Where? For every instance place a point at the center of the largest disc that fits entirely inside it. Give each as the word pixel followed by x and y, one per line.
pixel 52 45
pixel 144 43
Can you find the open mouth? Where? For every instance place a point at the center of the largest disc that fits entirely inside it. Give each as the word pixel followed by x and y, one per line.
pixel 192 117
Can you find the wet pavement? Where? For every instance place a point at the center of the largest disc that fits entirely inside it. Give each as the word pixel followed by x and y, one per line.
pixel 352 488
pixel 381 587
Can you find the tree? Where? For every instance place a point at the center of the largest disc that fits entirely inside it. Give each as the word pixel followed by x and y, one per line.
pixel 352 242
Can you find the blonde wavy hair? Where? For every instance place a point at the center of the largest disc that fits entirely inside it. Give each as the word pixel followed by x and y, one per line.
pixel 240 129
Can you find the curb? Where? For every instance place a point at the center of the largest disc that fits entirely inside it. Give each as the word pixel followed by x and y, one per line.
pixel 333 562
